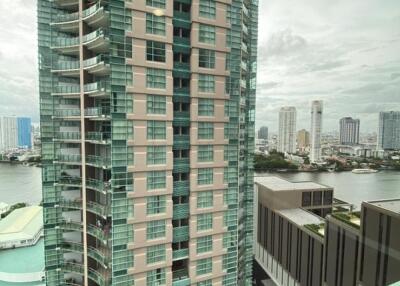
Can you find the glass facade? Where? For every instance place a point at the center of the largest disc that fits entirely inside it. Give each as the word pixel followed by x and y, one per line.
pixel 135 149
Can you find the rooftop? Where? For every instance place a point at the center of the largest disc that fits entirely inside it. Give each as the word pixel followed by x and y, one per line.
pixel 392 205
pixel 278 184
pixel 301 217
pixel 21 224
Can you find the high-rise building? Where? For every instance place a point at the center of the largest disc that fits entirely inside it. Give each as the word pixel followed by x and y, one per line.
pixel 24 127
pixel 303 139
pixel 263 133
pixel 316 129
pixel 147 131
pixel 349 131
pixel 287 130
pixel 8 133
pixel 389 130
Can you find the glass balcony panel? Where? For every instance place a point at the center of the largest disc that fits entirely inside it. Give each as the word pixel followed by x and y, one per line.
pixel 180 275
pixel 180 253
pixel 98 136
pixel 68 135
pixel 65 17
pixel 93 35
pixel 66 89
pixel 97 111
pixel 99 161
pixel 66 65
pixel 92 10
pixel 67 112
pixel 98 209
pixel 181 211
pixel 70 158
pixel 96 60
pixel 65 42
pixel 97 86
pixel 68 180
pixel 98 185
pixel 180 233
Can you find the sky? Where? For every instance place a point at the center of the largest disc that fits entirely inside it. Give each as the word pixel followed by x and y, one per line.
pixel 346 53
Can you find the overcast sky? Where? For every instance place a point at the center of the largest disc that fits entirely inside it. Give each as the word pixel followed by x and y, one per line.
pixel 346 53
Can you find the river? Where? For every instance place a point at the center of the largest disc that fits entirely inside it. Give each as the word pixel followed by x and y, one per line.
pixel 23 184
pixel 350 187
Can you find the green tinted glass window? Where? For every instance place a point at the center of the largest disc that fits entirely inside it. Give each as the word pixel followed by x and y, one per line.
pixel 156 205
pixel 155 24
pixel 204 244
pixel 156 130
pixel 204 199
pixel 207 34
pixel 156 180
pixel 204 221
pixel 204 266
pixel 156 155
pixel 155 229
pixel 206 83
pixel 206 107
pixel 155 51
pixel 156 104
pixel 205 176
pixel 207 9
pixel 155 78
pixel 205 153
pixel 206 58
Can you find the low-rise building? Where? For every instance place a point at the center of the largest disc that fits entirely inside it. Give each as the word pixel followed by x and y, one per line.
pixel 22 227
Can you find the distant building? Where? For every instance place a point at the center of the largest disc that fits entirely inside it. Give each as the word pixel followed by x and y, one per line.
pixel 22 227
pixel 316 129
pixel 349 131
pixel 263 133
pixel 24 127
pixel 303 139
pixel 389 130
pixel 8 133
pixel 287 130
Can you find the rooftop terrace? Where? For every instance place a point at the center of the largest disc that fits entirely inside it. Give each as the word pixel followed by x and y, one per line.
pixel 276 184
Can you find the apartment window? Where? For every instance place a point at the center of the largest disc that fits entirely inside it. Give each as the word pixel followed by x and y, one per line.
pixel 205 130
pixel 204 266
pixel 156 205
pixel 206 58
pixel 229 239
pixel 207 9
pixel 206 34
pixel 156 180
pixel 156 3
pixel 205 153
pixel 228 261
pixel 205 283
pixel 204 199
pixel 155 254
pixel 155 229
pixel 155 78
pixel 156 277
pixel 328 197
pixel 156 130
pixel 156 104
pixel 205 176
pixel 155 51
pixel 156 155
pixel 230 218
pixel 204 244
pixel 204 221
pixel 206 107
pixel 206 83
pixel 317 198
pixel 155 24
pixel 306 199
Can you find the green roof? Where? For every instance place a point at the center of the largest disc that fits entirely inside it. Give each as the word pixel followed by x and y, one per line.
pixel 21 224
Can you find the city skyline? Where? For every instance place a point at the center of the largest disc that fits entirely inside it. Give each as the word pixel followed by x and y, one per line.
pixel 286 44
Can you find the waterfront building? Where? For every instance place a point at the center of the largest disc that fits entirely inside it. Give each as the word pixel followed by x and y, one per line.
pixel 303 139
pixel 24 127
pixel 287 130
pixel 389 130
pixel 22 227
pixel 8 133
pixel 316 129
pixel 354 248
pixel 147 131
pixel 263 133
pixel 349 131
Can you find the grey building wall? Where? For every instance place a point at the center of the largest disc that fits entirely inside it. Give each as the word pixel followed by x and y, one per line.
pixel 380 246
pixel 341 253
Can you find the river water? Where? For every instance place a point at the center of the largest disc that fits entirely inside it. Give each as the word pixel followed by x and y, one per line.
pixel 23 184
pixel 350 187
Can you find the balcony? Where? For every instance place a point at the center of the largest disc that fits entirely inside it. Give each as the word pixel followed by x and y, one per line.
pixel 98 185
pixel 66 45
pixel 96 16
pixel 72 90
pixel 66 4
pixel 73 267
pixel 97 41
pixel 180 278
pixel 98 89
pixel 182 92
pixel 181 188
pixel 69 159
pixel 71 226
pixel 99 65
pixel 181 165
pixel 98 137
pixel 97 113
pixel 100 254
pixel 67 113
pixel 181 66
pixel 181 142
pixel 69 181
pixel 102 234
pixel 179 15
pixel 181 118
pixel 99 277
pixel 99 209
pixel 180 211
pixel 180 254
pixel 71 204
pixel 182 41
pixel 66 68
pixel 68 136
pixel 180 233
pixel 98 161
pixel 66 22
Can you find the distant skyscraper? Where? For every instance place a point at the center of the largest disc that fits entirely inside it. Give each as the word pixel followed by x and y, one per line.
pixel 316 127
pixel 303 139
pixel 287 130
pixel 349 131
pixel 8 133
pixel 24 132
pixel 263 133
pixel 389 130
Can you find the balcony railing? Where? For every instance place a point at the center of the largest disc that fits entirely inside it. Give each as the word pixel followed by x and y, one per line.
pixel 67 17
pixel 98 209
pixel 70 181
pixel 102 234
pixel 73 267
pixel 69 225
pixel 181 165
pixel 98 136
pixel 97 111
pixel 181 188
pixel 97 277
pixel 63 42
pixel 180 233
pixel 99 254
pixel 98 185
pixel 68 112
pixel 94 35
pixel 68 135
pixel 92 10
pixel 96 60
pixel 67 89
pixel 99 87
pixel 66 65
pixel 180 274
pixel 181 41
pixel 70 158
pixel 180 254
pixel 181 211
pixel 98 161
pixel 181 141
